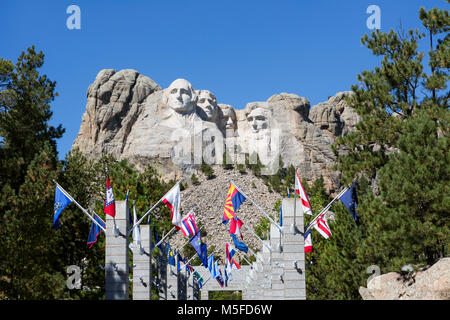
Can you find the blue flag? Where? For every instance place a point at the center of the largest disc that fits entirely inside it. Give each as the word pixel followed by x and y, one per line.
pixel 219 277
pixel 170 255
pixel 281 217
pixel 211 266
pixel 179 258
pixel 61 201
pixel 95 231
pixel 349 199
pixel 239 244
pixel 201 249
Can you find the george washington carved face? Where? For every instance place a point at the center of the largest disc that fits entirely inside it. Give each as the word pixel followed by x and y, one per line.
pixel 181 96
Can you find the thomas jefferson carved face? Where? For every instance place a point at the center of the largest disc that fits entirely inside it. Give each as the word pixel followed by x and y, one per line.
pixel 208 103
pixel 180 96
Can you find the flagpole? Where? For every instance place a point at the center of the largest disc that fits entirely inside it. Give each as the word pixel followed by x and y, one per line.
pixel 79 206
pixel 259 208
pixel 160 241
pixel 140 220
pixel 295 205
pixel 325 209
pixel 262 241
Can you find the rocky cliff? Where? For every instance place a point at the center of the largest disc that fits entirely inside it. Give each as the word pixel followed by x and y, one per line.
pixel 129 116
pixel 431 283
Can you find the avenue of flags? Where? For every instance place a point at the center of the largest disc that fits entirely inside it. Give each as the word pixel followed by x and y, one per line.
pixel 188 225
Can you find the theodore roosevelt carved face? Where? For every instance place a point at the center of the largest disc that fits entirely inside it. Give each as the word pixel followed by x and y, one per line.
pixel 181 96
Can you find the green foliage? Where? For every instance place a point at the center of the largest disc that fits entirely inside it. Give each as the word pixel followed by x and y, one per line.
pixel 399 155
pixel 263 228
pixel 241 168
pixel 225 295
pixel 194 180
pixel 207 170
pixel 227 161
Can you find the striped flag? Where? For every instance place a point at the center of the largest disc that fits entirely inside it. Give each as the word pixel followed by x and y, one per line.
pixel 188 225
pixel 306 205
pixel 235 227
pixel 322 227
pixel 308 241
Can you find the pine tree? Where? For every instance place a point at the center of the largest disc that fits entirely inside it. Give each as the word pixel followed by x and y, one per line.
pixel 400 147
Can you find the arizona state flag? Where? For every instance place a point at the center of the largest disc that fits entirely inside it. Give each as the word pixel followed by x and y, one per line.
pixel 232 203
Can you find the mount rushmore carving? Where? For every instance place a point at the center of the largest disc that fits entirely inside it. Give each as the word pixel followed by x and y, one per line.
pixel 128 115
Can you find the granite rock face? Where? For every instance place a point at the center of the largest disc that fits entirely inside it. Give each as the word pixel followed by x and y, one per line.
pixel 429 284
pixel 130 116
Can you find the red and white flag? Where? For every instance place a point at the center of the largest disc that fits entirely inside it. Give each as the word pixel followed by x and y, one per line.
pixel 235 227
pixel 306 205
pixel 322 227
pixel 110 204
pixel 172 201
pixel 188 225
pixel 308 242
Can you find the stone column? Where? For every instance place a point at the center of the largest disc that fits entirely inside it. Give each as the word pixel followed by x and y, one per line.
pixel 172 282
pixel 142 267
pixel 116 255
pixel 293 255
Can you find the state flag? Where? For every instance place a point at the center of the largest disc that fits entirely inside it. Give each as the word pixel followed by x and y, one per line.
pixel 61 201
pixel 299 190
pixel 172 201
pixel 110 204
pixel 233 201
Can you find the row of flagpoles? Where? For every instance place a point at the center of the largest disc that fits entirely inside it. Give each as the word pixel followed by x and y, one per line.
pixel 187 224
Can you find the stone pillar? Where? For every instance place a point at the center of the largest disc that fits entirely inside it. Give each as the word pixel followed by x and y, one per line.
pixel 142 268
pixel 276 262
pixel 161 280
pixel 116 255
pixel 293 255
pixel 172 283
pixel 181 285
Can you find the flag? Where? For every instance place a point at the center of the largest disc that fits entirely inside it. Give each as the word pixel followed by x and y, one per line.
pixel 201 248
pixel 95 231
pixel 234 263
pixel 179 258
pixel 281 216
pixel 349 199
pixel 228 270
pixel 198 278
pixel 239 244
pixel 61 201
pixel 110 205
pixel 156 239
pixel 172 201
pixel 308 241
pixel 233 201
pixel 229 250
pixel 136 230
pixel 189 268
pixel 211 266
pixel 219 276
pixel 226 275
pixel 306 205
pixel 188 225
pixel 170 255
pixel 235 227
pixel 322 227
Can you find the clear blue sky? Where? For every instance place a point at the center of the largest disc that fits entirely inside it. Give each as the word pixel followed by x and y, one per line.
pixel 242 51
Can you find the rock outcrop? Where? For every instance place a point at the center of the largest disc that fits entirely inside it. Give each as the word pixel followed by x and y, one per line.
pixel 129 116
pixel 429 284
